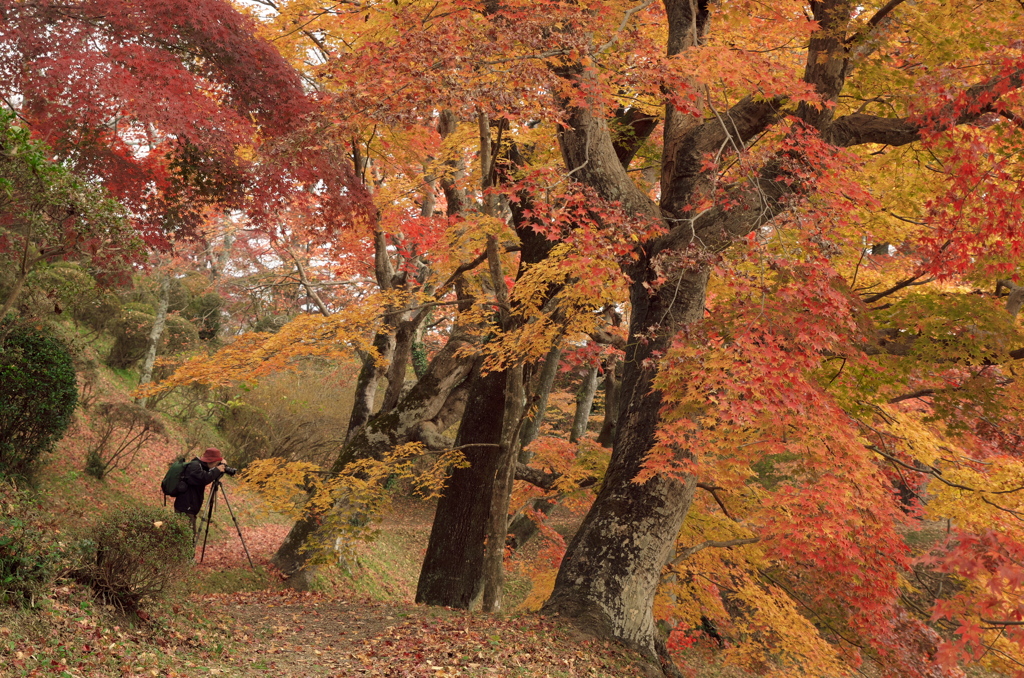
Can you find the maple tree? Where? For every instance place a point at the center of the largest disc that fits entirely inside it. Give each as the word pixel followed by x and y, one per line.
pixel 808 213
pixel 176 108
pixel 743 154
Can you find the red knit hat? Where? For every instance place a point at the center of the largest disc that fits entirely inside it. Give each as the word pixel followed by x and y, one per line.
pixel 211 456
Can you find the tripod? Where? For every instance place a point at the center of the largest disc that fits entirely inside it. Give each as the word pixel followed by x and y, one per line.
pixel 209 517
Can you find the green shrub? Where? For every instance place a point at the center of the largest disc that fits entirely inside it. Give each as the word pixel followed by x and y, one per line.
pixel 205 312
pixel 38 394
pixel 139 553
pixel 97 309
pixel 131 336
pixel 31 555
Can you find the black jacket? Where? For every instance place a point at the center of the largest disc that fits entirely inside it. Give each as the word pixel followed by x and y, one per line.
pixel 197 475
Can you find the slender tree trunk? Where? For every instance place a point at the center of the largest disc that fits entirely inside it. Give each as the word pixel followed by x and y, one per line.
pixel 531 429
pixel 611 403
pixel 497 532
pixel 154 335
pixel 521 527
pixel 405 334
pixel 584 403
pixel 369 380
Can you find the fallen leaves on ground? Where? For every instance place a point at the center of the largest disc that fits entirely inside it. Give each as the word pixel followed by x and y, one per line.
pixel 296 635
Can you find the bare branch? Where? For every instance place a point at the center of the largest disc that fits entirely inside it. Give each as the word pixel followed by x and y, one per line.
pixel 545 480
pixel 713 491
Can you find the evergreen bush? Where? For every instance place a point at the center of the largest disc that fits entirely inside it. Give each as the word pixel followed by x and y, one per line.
pixel 131 336
pixel 38 394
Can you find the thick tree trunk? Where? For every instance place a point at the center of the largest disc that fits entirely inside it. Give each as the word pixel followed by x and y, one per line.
pixel 159 322
pixel 463 563
pixel 453 568
pixel 613 564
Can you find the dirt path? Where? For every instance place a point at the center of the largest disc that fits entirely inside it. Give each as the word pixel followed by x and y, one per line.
pixel 290 635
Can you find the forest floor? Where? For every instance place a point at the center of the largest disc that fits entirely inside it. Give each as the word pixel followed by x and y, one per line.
pixel 233 621
pixel 371 627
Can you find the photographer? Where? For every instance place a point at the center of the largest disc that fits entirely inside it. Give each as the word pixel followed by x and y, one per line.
pixel 199 473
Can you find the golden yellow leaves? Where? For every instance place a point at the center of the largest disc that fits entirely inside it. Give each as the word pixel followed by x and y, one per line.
pixel 253 354
pixel 350 500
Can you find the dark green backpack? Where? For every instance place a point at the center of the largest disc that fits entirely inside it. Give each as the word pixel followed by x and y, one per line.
pixel 173 484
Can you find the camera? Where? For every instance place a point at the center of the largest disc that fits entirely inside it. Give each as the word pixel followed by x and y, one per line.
pixel 230 471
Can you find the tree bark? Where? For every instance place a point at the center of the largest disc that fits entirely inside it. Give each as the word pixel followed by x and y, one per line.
pixel 531 428
pixel 505 466
pixel 368 380
pixel 431 407
pixel 611 403
pixel 584 403
pixel 401 356
pixel 452 572
pixel 612 567
pixel 159 322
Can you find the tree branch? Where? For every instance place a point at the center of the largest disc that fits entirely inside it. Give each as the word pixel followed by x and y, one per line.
pixel 688 552
pixel 861 128
pixel 545 480
pixel 909 282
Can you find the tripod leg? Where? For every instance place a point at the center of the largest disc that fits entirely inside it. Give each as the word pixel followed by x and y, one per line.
pixel 209 518
pixel 238 528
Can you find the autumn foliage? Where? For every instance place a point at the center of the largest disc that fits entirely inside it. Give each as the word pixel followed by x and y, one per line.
pixel 786 237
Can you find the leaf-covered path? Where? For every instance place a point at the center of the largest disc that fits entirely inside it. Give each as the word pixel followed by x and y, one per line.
pixel 288 634
pixel 299 635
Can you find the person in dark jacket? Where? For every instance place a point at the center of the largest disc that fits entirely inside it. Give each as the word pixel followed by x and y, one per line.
pixel 198 473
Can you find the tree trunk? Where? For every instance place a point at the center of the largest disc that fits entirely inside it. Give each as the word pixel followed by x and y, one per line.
pixel 497 532
pixel 611 403
pixel 531 428
pixel 612 567
pixel 584 403
pixel 431 407
pixel 453 568
pixel 154 335
pixel 467 540
pixel 369 380
pixel 401 356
